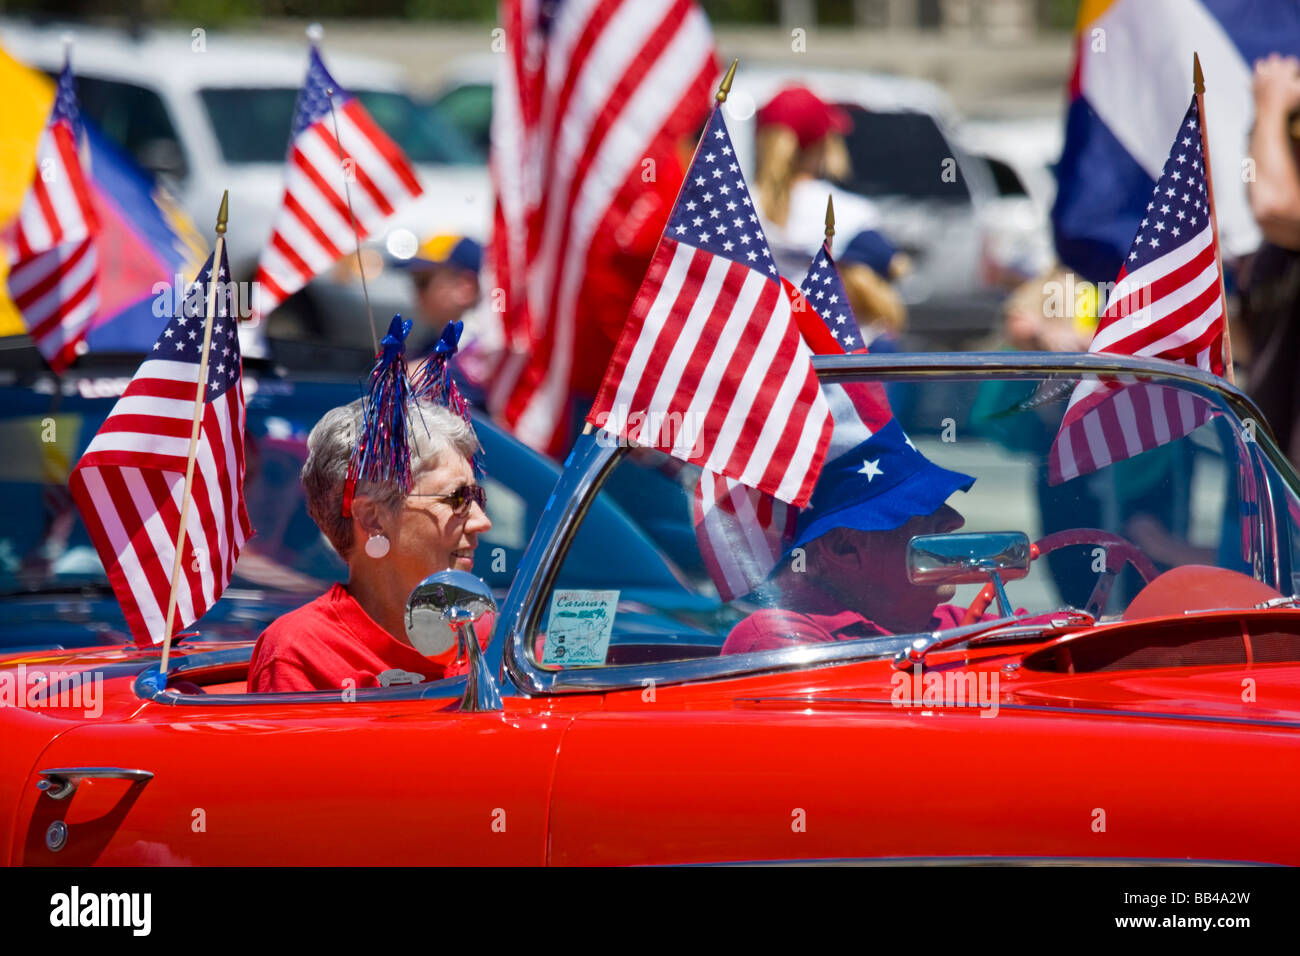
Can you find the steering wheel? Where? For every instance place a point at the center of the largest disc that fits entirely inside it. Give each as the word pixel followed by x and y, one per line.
pixel 1116 547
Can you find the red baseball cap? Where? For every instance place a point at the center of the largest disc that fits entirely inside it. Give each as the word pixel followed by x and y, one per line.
pixel 802 111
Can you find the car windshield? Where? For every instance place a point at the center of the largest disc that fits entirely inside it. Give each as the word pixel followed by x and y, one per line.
pixel 1148 476
pixel 252 125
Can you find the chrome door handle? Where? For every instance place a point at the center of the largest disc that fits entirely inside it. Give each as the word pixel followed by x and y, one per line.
pixel 62 781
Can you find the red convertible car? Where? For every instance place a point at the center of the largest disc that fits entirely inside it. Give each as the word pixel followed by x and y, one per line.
pixel 1105 665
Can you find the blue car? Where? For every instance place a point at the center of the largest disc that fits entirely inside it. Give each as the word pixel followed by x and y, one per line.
pixel 56 594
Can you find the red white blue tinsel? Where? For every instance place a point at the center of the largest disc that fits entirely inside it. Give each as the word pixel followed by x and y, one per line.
pixel 382 453
pixel 434 381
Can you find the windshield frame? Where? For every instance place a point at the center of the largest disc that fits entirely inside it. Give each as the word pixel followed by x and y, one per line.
pixel 591 462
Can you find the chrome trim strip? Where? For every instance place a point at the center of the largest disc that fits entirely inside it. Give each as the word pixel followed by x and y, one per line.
pixel 1035 708
pixel 916 650
pixel 982 861
pixel 1030 365
pixel 589 464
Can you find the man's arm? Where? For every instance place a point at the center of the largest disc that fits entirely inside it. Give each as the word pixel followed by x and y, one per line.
pixel 1275 193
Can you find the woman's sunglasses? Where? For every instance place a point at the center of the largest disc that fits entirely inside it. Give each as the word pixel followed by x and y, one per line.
pixel 461 498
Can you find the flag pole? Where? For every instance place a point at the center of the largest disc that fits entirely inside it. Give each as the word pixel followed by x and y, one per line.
pixel 315 33
pixel 724 88
pixel 830 222
pixel 1198 85
pixel 218 253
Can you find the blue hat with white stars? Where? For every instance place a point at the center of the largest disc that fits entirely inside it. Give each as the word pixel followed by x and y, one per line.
pixel 878 485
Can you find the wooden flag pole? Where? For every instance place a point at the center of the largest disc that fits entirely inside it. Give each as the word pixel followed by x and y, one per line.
pixel 200 389
pixel 1198 85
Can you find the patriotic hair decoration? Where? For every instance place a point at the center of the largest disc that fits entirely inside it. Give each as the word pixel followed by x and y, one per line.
pixel 434 382
pixel 382 453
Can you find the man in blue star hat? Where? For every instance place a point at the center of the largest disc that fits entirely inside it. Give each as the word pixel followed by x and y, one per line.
pixel 845 575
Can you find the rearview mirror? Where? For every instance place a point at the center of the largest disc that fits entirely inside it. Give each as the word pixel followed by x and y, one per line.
pixel 443 610
pixel 967 558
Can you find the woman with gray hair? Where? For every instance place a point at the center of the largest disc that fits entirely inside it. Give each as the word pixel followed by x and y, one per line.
pixel 354 635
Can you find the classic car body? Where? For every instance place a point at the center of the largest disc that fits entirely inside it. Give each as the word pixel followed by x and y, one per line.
pixel 1161 726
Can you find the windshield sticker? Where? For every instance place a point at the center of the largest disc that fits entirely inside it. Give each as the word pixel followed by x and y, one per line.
pixel 581 624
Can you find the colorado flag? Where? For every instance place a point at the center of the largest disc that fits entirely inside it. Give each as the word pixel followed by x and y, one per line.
pixel 1129 89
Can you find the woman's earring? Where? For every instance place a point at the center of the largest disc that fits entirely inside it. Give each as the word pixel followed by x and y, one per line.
pixel 376 546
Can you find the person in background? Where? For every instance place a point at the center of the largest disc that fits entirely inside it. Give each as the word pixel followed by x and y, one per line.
pixel 445 273
pixel 1271 279
pixel 800 154
pixel 868 267
pixel 1054 312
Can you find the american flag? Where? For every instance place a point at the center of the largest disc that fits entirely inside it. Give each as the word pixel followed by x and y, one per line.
pixel 129 483
pixel 711 367
pixel 741 531
pixel 824 291
pixel 53 258
pixel 590 103
pixel 1167 303
pixel 314 227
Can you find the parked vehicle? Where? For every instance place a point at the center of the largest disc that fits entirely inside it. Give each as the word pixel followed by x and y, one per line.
pixel 1153 642
pixel 214 115
pixel 1021 155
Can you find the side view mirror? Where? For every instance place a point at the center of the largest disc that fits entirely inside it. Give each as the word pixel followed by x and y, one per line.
pixel 443 609
pixel 971 558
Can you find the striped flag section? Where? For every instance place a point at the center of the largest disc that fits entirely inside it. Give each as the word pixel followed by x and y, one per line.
pixel 129 484
pixel 1167 303
pixel 591 100
pixel 53 258
pixel 741 531
pixel 711 367
pixel 323 172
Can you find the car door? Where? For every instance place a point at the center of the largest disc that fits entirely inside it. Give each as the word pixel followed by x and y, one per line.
pixel 330 783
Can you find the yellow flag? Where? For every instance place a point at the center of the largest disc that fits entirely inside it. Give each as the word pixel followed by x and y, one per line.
pixel 28 97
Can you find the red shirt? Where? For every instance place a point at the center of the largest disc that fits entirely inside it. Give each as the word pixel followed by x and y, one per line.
pixel 772 628
pixel 332 639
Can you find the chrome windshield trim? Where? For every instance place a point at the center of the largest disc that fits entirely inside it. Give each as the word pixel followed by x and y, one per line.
pixel 590 462
pixel 149 685
pixel 1030 365
pixel 588 465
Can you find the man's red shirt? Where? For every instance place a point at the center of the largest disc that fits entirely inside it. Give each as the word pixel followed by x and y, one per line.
pixel 772 628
